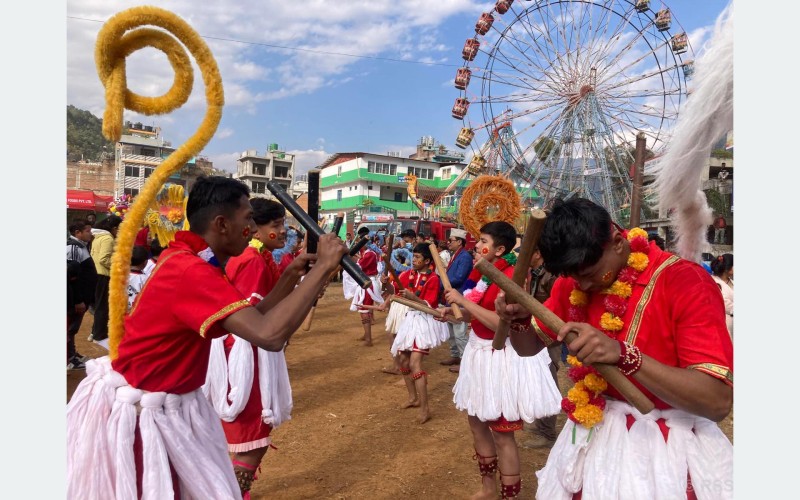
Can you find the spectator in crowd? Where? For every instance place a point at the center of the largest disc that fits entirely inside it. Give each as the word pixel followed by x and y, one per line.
pixel 80 286
pixel 102 249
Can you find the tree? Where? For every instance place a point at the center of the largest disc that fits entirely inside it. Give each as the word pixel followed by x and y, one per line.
pixel 85 139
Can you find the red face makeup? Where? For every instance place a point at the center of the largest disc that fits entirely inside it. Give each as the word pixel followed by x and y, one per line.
pixel 272 236
pixel 246 232
pixel 607 277
pixel 484 250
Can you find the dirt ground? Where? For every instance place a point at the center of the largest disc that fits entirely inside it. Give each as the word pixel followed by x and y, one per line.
pixel 347 439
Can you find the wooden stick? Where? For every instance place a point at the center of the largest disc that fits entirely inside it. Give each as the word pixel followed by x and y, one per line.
pixel 309 319
pixel 413 304
pixel 529 241
pixel 609 372
pixel 442 272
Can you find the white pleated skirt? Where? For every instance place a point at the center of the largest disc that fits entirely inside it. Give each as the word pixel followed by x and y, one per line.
pixel 420 329
pixel 493 383
pixel 395 316
pixel 612 462
pixel 178 429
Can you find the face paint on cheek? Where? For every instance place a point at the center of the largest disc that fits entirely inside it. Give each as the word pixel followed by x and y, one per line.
pixel 246 232
pixel 484 251
pixel 607 277
pixel 272 236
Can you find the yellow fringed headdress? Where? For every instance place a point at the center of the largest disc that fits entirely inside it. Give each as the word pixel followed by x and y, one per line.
pixel 167 215
pixel 119 37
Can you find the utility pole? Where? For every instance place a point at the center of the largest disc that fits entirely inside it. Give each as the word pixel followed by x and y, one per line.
pixel 638 178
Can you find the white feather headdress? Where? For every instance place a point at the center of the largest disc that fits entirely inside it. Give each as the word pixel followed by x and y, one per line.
pixel 707 115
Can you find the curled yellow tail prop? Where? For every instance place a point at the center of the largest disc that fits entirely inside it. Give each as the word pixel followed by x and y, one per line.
pixel 122 35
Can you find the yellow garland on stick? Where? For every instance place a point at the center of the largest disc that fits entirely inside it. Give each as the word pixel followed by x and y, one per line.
pixel 119 37
pixel 489 198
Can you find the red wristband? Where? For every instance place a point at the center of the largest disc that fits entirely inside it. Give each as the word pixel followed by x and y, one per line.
pixel 630 358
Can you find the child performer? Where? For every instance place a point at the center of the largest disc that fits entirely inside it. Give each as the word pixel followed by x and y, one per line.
pixel 249 387
pixel 368 262
pixel 498 389
pixel 418 332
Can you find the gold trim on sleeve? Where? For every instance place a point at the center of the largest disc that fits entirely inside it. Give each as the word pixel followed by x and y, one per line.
pixel 222 312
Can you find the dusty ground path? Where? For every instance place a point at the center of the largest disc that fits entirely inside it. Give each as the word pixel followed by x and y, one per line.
pixel 347 439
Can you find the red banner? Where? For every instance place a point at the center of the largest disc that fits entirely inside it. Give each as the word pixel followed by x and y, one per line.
pixel 87 200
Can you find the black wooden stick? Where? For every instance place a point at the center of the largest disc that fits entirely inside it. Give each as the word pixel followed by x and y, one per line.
pixel 311 226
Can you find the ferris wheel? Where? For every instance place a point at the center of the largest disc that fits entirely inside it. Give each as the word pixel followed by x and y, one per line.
pixel 553 94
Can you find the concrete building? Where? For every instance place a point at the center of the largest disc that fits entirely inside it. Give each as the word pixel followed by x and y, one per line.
pixel 256 170
pixel 360 182
pixel 140 150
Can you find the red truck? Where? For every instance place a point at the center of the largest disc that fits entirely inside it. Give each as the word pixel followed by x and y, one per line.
pixel 431 228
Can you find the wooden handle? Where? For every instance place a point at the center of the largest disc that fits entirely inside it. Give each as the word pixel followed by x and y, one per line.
pixel 413 304
pixel 609 372
pixel 309 319
pixel 442 272
pixel 529 241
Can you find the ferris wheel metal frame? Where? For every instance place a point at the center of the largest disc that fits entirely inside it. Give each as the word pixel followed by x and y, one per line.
pixel 583 78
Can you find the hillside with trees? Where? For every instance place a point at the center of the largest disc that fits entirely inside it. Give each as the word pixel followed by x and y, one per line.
pixel 84 136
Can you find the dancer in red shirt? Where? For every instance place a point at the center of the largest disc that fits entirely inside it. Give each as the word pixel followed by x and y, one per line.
pixel 140 425
pixel 498 389
pixel 661 320
pixel 248 386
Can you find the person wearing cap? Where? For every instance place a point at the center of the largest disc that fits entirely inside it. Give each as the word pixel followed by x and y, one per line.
pixel 458 270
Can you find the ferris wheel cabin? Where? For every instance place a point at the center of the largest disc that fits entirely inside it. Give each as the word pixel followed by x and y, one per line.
pixel 642 5
pixel 679 43
pixel 470 49
pixel 484 23
pixel 462 78
pixel 477 164
pixel 502 6
pixel 663 19
pixel 460 108
pixel 465 137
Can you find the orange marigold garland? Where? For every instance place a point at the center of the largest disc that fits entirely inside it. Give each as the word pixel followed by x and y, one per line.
pixel 584 403
pixel 489 198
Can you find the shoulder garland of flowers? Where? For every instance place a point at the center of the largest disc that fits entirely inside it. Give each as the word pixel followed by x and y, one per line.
pixel 584 403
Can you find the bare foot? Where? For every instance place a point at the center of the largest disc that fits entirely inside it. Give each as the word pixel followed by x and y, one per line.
pixel 483 495
pixel 359 339
pixel 423 417
pixel 391 371
pixel 410 404
pixel 367 343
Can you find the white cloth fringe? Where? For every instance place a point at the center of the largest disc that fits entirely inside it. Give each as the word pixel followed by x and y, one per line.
pixel 419 328
pixel 359 293
pixel 493 383
pixel 706 116
pixel 394 317
pixel 614 462
pixel 182 430
pixel 237 373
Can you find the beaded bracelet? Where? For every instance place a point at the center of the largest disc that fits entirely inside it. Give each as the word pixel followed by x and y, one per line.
pixel 630 358
pixel 520 326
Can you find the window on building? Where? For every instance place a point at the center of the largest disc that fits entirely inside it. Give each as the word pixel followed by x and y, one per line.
pixel 259 168
pixel 259 187
pixel 131 191
pixel 382 168
pixel 398 196
pixel 421 173
pixel 282 172
pixel 339 194
pixel 339 171
pixel 131 171
pixel 446 173
pixel 148 152
pixel 148 171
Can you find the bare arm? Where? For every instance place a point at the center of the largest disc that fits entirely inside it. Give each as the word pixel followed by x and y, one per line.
pixel 488 318
pixel 271 329
pixel 685 389
pixel 526 343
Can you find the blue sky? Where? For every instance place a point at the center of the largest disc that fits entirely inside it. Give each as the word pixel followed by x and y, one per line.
pixel 393 86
